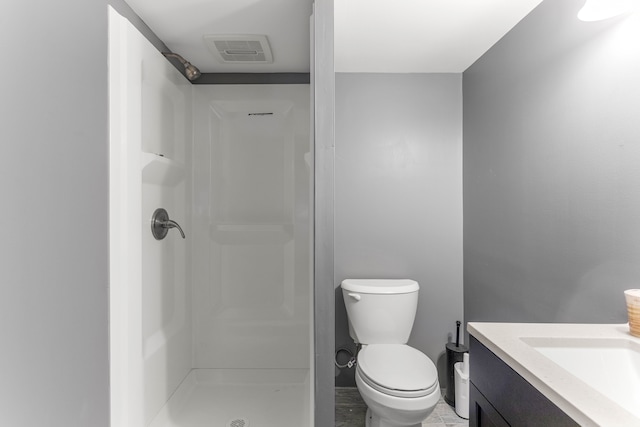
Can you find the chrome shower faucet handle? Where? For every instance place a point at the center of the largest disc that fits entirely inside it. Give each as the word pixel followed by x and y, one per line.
pixel 160 224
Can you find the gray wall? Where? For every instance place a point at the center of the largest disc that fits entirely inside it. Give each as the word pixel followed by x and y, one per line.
pixel 54 188
pixel 551 171
pixel 323 93
pixel 54 274
pixel 398 196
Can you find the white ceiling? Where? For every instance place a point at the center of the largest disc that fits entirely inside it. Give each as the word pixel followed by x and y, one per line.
pixel 420 36
pixel 390 36
pixel 180 24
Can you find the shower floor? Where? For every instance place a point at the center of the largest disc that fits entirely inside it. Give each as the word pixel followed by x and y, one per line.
pixel 239 398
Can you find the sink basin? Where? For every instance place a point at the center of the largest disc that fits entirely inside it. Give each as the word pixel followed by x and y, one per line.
pixel 610 366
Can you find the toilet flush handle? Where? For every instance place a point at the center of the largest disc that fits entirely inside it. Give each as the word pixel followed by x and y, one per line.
pixel 354 296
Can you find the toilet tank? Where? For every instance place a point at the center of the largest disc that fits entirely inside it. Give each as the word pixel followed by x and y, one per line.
pixel 380 311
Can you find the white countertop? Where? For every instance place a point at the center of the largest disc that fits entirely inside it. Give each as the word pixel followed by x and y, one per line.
pixel 584 404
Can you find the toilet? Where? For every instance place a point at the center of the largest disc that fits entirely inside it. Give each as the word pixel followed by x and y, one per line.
pixel 398 383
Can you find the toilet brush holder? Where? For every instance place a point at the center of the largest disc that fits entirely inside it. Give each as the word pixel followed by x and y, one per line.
pixel 455 354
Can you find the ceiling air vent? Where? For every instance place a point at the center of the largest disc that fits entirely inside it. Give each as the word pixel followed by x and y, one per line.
pixel 235 49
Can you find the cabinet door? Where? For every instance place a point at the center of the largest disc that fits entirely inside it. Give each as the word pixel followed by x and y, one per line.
pixel 481 412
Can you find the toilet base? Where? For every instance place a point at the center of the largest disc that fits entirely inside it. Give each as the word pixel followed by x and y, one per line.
pixel 372 420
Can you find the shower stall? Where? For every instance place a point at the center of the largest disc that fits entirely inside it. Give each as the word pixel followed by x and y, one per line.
pixel 213 329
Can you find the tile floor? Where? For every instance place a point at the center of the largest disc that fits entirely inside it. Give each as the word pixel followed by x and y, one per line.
pixel 350 411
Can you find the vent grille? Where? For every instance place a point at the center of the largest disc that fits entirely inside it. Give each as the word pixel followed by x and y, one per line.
pixel 239 48
pixel 238 422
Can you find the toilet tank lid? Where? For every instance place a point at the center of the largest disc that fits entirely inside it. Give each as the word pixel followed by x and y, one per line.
pixel 380 286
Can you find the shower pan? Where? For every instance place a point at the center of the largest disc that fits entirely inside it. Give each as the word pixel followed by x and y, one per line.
pixel 211 308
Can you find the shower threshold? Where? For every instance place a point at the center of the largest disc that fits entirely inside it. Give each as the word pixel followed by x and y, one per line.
pixel 239 398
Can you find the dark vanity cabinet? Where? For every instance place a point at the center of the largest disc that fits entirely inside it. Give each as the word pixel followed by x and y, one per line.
pixel 498 396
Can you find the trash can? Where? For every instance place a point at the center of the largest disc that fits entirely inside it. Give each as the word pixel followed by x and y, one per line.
pixel 454 355
pixel 462 387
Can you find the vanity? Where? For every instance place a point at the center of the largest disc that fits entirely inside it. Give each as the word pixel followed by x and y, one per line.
pixel 535 374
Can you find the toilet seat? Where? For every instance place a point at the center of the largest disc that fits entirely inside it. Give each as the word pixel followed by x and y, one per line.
pixel 397 370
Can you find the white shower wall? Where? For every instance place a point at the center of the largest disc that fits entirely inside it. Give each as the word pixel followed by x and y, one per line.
pixel 150 152
pixel 251 227
pixel 166 286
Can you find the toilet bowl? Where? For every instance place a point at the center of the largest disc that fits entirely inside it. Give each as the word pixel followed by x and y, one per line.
pixel 398 383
